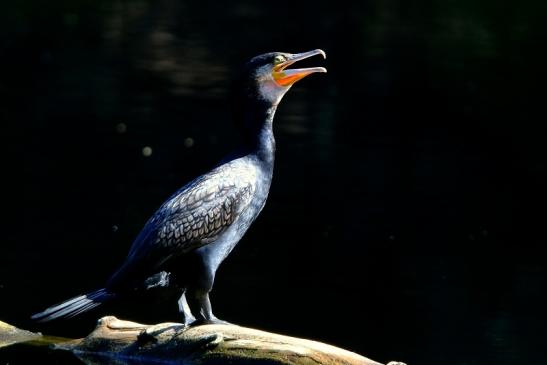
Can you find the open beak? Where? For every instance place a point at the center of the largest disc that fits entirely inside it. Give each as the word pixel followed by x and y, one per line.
pixel 285 77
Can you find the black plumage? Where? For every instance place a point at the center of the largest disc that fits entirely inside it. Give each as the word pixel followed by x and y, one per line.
pixel 198 226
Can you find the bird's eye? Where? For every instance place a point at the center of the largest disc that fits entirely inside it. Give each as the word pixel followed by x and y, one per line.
pixel 279 59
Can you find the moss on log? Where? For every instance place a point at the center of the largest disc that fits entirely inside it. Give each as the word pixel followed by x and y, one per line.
pixel 123 342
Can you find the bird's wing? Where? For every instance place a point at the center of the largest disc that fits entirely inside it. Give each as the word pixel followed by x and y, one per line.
pixel 193 217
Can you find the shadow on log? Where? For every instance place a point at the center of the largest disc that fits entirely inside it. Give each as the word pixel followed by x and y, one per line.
pixel 123 342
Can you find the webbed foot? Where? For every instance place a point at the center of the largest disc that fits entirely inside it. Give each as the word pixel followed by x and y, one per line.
pixel 204 321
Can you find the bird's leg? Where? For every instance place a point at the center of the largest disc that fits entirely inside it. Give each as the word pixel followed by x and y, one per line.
pixel 199 287
pixel 199 299
pixel 198 295
pixel 184 310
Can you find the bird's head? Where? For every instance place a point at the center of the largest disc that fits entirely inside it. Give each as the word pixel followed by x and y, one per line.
pixel 270 78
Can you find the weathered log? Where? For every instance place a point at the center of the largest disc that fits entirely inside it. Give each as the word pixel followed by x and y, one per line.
pixel 10 335
pixel 123 342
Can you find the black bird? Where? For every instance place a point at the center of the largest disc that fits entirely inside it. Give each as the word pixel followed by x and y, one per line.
pixel 199 225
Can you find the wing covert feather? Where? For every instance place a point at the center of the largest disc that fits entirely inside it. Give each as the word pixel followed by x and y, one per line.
pixel 196 214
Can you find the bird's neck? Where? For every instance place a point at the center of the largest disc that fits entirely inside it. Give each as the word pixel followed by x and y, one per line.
pixel 259 136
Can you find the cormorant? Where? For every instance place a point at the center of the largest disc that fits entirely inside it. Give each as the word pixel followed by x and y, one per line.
pixel 199 225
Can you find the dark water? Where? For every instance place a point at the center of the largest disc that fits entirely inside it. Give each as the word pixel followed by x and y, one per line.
pixel 407 215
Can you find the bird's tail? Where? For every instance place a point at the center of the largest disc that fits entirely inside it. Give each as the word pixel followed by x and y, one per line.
pixel 74 306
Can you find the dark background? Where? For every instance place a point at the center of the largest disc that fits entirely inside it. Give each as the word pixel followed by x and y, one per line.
pixel 406 219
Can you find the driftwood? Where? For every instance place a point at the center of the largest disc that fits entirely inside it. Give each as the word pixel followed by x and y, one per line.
pixel 10 335
pixel 123 342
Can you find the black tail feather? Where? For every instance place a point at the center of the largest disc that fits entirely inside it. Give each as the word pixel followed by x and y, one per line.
pixel 74 306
